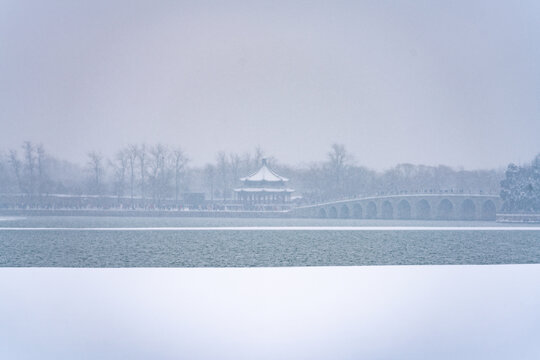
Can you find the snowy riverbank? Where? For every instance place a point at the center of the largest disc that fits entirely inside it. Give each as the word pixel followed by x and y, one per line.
pixel 394 312
pixel 144 213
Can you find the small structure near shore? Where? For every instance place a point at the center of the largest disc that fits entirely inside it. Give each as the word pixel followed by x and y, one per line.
pixel 264 187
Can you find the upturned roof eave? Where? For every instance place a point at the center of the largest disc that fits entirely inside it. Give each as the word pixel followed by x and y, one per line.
pixel 260 175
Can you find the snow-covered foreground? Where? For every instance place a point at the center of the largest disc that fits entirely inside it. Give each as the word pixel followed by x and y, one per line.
pixel 389 312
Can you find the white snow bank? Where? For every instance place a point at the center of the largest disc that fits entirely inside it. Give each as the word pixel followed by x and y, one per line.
pixel 11 218
pixel 283 228
pixel 389 312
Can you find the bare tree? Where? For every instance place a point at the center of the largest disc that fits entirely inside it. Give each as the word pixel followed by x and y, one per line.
pixel 4 178
pixel 259 155
pixel 141 155
pixel 222 173
pixel 120 165
pixel 29 167
pixel 179 160
pixel 246 165
pixel 338 159
pixel 250 162
pixel 158 172
pixel 16 166
pixel 235 163
pixel 95 165
pixel 209 179
pixel 131 157
pixel 40 151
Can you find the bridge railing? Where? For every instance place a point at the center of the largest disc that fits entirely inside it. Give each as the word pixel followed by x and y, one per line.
pixel 444 206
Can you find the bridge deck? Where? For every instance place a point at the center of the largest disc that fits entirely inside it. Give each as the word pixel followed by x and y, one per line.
pixel 446 206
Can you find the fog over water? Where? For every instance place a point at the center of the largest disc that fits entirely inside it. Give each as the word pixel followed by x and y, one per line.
pixel 436 83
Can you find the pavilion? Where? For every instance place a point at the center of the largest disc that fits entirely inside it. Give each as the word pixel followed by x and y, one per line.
pixel 264 186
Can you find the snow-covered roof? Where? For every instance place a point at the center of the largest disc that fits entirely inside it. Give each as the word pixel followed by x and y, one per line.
pixel 264 174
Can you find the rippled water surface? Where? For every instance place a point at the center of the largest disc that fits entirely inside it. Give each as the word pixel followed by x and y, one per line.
pixel 24 242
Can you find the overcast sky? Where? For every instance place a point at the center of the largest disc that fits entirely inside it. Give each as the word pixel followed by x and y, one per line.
pixel 454 83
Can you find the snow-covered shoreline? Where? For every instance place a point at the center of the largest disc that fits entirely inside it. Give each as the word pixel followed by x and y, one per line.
pixel 282 228
pixel 11 218
pixel 403 312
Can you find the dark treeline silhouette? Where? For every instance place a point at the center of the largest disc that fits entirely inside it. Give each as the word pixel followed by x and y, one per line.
pixel 520 189
pixel 160 175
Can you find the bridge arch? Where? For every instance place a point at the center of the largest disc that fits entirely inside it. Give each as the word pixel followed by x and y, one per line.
pixel 404 210
pixel 468 210
pixel 344 212
pixel 423 210
pixel 357 211
pixel 489 210
pixel 387 211
pixel 332 212
pixel 371 211
pixel 420 206
pixel 445 210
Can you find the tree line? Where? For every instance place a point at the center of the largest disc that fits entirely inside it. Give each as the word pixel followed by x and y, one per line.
pixel 153 173
pixel 520 189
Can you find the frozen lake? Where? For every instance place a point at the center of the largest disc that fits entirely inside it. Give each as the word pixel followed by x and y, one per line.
pixel 218 242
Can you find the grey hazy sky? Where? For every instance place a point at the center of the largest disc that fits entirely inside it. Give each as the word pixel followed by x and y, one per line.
pixel 455 82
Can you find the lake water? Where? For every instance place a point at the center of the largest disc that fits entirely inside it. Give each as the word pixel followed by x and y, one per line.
pixel 220 242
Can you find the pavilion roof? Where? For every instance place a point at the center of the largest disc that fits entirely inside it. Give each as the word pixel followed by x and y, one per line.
pixel 264 174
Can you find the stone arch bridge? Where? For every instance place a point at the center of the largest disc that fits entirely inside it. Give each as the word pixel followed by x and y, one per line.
pixel 414 206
